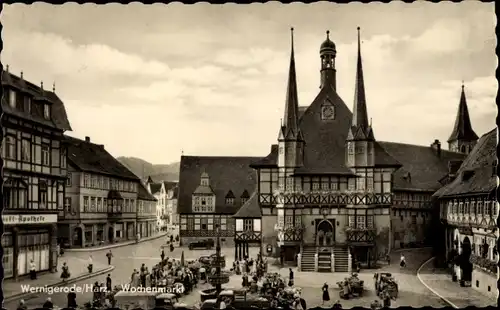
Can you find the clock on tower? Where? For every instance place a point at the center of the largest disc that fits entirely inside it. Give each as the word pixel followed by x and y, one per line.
pixel 327 112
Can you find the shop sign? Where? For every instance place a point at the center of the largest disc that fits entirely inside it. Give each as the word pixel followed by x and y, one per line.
pixel 21 219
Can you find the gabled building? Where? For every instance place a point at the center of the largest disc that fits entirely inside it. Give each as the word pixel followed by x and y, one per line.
pixel 211 190
pixel 164 192
pixel 34 120
pixel 331 191
pixel 469 212
pixel 146 212
pixel 101 197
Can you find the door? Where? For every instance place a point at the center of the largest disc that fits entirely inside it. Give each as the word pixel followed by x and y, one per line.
pixel 465 263
pixel 78 237
pixel 325 233
pixel 111 234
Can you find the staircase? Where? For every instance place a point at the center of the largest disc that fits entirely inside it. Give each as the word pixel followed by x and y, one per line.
pixel 324 262
pixel 307 259
pixel 341 257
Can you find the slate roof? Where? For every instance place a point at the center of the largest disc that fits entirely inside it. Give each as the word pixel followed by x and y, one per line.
pixel 143 193
pixel 425 167
pixel 58 118
pixel 463 127
pixel 155 187
pixel 169 185
pixel 270 160
pixel 250 208
pixel 479 166
pixel 90 157
pixel 226 173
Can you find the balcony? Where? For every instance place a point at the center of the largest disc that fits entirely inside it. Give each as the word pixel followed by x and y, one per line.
pixel 360 235
pixel 326 198
pixel 248 236
pixel 291 234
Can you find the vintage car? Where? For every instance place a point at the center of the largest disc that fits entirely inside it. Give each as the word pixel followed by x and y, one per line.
pixel 202 244
pixel 166 300
pixel 237 299
pixel 129 300
pixel 206 261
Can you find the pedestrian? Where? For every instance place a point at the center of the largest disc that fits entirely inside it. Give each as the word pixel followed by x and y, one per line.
pixel 108 283
pixel 32 270
pixel 48 304
pixel 326 294
pixel 171 238
pixel 375 305
pixel 290 282
pixel 337 305
pixel 202 274
pixel 387 299
pixel 388 258
pixel 22 305
pixel 65 272
pixel 109 255
pixel 91 264
pixel 138 237
pixel 162 255
pixel 58 250
pixel 171 247
pixel 402 263
pixel 72 300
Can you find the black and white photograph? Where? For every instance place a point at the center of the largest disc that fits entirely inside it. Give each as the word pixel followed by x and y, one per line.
pixel 249 156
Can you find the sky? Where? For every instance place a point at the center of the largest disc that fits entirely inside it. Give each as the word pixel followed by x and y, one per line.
pixel 156 81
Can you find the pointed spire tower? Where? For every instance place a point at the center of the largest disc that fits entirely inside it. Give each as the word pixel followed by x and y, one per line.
pixel 360 138
pixel 463 138
pixel 290 138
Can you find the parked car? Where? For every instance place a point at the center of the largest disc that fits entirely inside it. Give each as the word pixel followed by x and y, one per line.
pixel 203 244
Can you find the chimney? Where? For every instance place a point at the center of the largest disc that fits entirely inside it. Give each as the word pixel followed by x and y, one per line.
pixel 87 139
pixel 436 146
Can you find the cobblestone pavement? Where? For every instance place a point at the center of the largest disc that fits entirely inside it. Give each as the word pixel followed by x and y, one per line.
pixel 412 292
pixel 461 297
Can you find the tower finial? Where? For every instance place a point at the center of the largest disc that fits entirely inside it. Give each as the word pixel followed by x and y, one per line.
pixel 22 75
pixel 281 122
pixel 370 122
pixel 7 68
pixel 359 40
pixel 54 87
pixel 41 85
pixel 291 34
pixel 463 84
pixel 328 34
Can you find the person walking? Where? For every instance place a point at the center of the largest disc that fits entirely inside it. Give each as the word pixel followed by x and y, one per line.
pixel 109 283
pixel 337 305
pixel 32 270
pixel 48 304
pixel 290 282
pixel 91 264
pixel 162 255
pixel 22 305
pixel 326 294
pixel 402 262
pixel 65 272
pixel 109 255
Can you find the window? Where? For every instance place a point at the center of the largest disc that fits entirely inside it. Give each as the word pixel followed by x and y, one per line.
pixel 93 204
pixel 42 194
pixel 360 183
pixel 414 220
pixel 15 194
pixel 27 104
pixel 67 205
pixel 352 221
pixel 369 221
pixel 360 222
pixel 289 221
pixel 86 203
pixel 46 111
pixel 86 180
pixel 350 148
pixel 68 180
pixel 243 200
pixel 229 201
pixel 45 154
pixel 10 147
pixel 247 225
pixel 25 150
pixel 12 99
pixel 351 184
pixel 387 182
pixel 268 181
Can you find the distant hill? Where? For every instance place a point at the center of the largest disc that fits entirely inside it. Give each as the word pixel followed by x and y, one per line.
pixel 143 169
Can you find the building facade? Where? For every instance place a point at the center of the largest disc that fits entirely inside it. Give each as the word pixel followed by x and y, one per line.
pixel 333 193
pixel 166 194
pixel 158 191
pixel 146 212
pixel 469 213
pixel 101 197
pixel 34 174
pixel 211 191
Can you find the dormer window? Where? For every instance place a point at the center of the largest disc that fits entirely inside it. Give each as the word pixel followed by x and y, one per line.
pixel 243 200
pixel 12 98
pixel 46 111
pixel 230 201
pixel 350 148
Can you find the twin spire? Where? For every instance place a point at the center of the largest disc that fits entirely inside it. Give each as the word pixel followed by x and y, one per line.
pixel 463 127
pixel 290 125
pixel 360 128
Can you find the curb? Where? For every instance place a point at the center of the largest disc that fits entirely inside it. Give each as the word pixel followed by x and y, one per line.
pixel 431 289
pixel 59 284
pixel 112 246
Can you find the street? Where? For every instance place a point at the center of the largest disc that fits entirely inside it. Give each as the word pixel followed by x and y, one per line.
pixel 411 291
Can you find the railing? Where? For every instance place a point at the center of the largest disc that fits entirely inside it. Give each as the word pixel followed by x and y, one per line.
pixel 325 198
pixel 365 235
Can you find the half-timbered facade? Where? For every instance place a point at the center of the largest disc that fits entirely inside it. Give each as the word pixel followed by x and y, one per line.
pixel 331 192
pixel 211 190
pixel 101 197
pixel 469 212
pixel 34 174
pixel 248 227
pixel 146 212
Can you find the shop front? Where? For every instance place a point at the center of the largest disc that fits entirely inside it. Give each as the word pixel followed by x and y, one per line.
pixel 29 237
pixel 130 230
